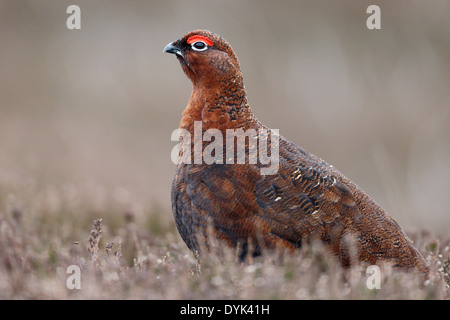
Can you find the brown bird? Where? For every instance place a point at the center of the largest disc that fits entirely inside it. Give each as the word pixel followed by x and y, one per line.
pixel 305 199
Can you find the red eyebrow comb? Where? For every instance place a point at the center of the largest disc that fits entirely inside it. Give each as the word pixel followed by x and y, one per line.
pixel 195 38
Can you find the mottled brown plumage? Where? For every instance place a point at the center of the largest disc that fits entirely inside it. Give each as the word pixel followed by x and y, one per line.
pixel 306 199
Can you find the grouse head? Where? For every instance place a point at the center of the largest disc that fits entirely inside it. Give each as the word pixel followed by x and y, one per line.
pixel 207 59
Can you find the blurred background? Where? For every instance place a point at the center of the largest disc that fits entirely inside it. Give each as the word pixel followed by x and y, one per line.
pixel 92 110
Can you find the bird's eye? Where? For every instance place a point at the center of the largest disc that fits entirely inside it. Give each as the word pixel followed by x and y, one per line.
pixel 199 46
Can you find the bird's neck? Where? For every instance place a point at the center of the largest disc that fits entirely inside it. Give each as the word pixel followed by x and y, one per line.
pixel 218 107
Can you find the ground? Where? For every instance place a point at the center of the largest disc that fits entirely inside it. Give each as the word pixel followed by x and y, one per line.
pixel 129 252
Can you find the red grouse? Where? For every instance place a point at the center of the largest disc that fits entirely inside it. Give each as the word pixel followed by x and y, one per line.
pixel 305 199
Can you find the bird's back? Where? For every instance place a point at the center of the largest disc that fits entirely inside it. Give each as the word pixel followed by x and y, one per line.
pixel 307 199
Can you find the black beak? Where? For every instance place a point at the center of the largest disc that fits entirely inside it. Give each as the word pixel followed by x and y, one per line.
pixel 172 48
